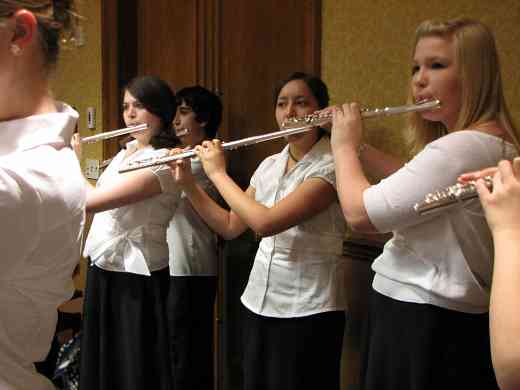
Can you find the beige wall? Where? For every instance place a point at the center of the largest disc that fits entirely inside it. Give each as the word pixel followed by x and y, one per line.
pixel 366 51
pixel 78 77
pixel 78 81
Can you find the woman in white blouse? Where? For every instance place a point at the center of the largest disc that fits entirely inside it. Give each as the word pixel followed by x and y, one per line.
pixel 295 298
pixel 124 339
pixel 42 194
pixel 428 322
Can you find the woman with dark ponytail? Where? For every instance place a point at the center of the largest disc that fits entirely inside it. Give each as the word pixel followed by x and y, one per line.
pixel 124 339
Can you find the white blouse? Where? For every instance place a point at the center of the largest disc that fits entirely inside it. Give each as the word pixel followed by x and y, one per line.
pixel 42 213
pixel 445 259
pixel 299 271
pixel 193 245
pixel 133 238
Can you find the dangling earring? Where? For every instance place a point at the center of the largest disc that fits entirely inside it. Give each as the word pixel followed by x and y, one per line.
pixel 16 50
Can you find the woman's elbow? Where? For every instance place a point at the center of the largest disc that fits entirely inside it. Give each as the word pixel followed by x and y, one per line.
pixel 360 223
pixel 507 371
pixel 509 380
pixel 266 229
pixel 228 235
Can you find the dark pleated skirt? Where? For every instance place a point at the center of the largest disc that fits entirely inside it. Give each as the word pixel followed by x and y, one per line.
pixel 410 346
pixel 190 305
pixel 124 342
pixel 293 353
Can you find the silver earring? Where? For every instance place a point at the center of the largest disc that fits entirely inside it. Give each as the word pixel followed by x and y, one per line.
pixel 16 50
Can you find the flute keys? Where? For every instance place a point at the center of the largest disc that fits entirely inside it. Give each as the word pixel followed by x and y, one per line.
pixel 450 195
pixel 310 120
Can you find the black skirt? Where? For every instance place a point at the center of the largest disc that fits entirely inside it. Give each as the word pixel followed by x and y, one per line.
pixel 410 346
pixel 293 353
pixel 190 307
pixel 124 341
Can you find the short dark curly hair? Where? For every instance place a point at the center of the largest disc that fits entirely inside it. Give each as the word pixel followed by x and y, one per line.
pixel 205 104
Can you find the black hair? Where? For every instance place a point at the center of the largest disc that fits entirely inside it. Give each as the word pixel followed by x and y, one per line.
pixel 158 98
pixel 316 85
pixel 205 104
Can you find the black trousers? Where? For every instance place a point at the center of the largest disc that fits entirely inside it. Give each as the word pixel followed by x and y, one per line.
pixel 124 342
pixel 293 353
pixel 190 313
pixel 410 346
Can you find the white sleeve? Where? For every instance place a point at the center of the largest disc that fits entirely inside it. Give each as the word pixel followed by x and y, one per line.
pixel 257 175
pixel 389 204
pixel 324 169
pixel 164 174
pixel 165 177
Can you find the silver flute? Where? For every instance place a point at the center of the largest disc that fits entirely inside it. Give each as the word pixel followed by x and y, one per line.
pixel 113 133
pixel 289 127
pixel 460 192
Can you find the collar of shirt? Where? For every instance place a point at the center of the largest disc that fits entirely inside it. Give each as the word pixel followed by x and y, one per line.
pixel 29 132
pixel 319 149
pixel 131 146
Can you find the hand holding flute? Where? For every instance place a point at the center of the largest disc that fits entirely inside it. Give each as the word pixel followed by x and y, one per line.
pixel 347 128
pixel 181 169
pixel 211 155
pixel 501 203
pixel 75 143
pixel 466 189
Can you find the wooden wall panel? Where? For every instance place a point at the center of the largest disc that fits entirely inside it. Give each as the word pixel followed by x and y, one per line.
pixel 167 43
pixel 261 43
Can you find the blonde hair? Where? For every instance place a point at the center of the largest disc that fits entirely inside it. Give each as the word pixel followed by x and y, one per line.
pixel 55 18
pixel 481 83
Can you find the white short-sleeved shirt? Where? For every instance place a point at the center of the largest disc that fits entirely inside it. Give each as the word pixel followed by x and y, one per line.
pixel 42 213
pixel 133 238
pixel 445 259
pixel 299 271
pixel 193 245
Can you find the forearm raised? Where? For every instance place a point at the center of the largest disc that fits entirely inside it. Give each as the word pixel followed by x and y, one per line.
pixel 351 183
pixel 505 311
pixel 220 220
pixel 254 214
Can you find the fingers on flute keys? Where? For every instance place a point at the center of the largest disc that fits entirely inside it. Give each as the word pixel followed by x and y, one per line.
pixel 181 162
pixel 75 143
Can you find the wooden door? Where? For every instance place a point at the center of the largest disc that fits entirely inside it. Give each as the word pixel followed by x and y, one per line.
pixel 261 42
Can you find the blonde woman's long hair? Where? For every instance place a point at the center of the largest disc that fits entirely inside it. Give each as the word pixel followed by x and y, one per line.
pixel 482 94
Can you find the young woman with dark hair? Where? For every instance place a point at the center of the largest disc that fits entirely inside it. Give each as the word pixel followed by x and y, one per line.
pixel 295 299
pixel 124 339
